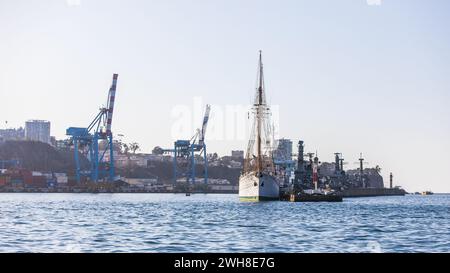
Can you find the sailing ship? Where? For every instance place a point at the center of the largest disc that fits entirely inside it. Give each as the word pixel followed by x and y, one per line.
pixel 257 181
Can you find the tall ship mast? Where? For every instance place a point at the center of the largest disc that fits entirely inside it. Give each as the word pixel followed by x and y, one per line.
pixel 257 181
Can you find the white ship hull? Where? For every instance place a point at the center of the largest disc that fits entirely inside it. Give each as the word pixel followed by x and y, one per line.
pixel 253 188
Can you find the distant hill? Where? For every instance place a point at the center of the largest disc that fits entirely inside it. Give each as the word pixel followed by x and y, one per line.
pixel 164 171
pixel 38 156
pixel 375 180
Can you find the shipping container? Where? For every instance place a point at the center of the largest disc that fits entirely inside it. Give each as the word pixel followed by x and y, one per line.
pixel 16 182
pixel 39 182
pixel 27 178
pixel 5 180
pixel 24 176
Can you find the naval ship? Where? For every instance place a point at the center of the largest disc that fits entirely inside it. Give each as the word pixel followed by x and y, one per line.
pixel 257 181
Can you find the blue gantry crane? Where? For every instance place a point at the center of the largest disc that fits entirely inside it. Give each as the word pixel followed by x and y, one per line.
pixel 184 153
pixel 98 130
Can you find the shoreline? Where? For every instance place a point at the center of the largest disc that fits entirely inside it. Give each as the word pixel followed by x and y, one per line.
pixel 108 191
pixel 353 193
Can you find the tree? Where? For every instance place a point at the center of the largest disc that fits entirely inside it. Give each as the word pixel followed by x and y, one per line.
pixel 125 148
pixel 134 146
pixel 157 151
pixel 117 146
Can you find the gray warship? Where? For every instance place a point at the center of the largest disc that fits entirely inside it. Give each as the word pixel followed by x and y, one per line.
pixel 308 174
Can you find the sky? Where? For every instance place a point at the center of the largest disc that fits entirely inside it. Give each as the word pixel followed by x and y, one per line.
pixel 345 76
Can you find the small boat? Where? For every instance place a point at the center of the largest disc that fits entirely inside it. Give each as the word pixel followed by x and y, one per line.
pixel 427 193
pixel 188 194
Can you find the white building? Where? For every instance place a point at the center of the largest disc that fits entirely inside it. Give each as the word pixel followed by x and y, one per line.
pixel 237 154
pixel 284 150
pixel 12 134
pixel 224 187
pixel 235 165
pixel 158 158
pixel 146 183
pixel 127 160
pixel 216 181
pixel 37 130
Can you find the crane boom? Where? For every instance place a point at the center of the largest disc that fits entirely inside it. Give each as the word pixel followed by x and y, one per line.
pixel 205 124
pixel 110 107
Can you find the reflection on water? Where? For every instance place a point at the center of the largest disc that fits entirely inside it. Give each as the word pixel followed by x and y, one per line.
pixel 220 223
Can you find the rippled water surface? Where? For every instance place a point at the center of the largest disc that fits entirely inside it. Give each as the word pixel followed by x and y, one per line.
pixel 220 223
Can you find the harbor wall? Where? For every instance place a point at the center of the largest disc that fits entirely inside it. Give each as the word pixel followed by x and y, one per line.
pixel 367 192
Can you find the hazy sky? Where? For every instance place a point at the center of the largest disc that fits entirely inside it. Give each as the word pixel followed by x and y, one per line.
pixel 346 76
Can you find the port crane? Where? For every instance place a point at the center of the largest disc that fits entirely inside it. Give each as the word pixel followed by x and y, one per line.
pixel 185 151
pixel 99 130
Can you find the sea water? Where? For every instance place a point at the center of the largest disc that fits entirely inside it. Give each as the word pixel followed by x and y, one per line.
pixel 53 222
